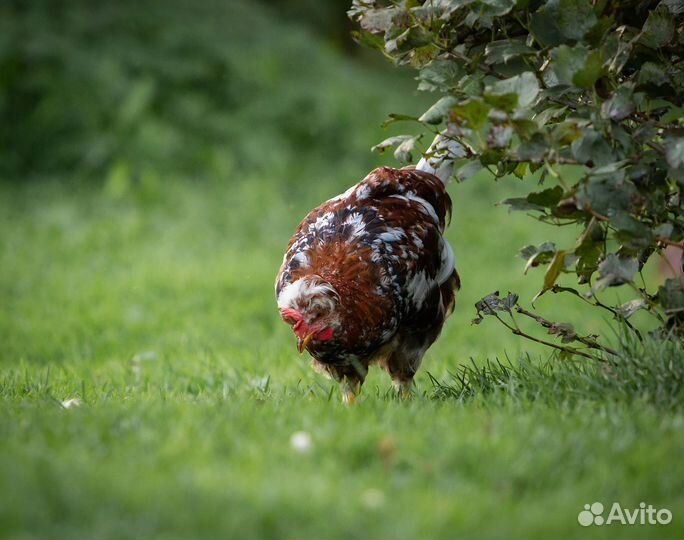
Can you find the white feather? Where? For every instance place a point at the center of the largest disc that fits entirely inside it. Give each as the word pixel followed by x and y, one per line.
pixel 440 157
pixel 355 221
pixel 392 234
pixel 302 258
pixel 426 205
pixel 306 292
pixel 418 288
pixel 447 264
pixel 362 192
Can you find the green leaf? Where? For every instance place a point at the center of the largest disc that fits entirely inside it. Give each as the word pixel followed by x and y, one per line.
pixel 497 8
pixel 525 86
pixel 521 204
pixel 510 301
pixel 664 230
pixel 536 255
pixel 367 39
pixel 549 113
pixel 589 253
pixel 377 20
pixel 614 271
pixel 473 112
pixel 592 148
pixel 658 29
pixel 674 148
pixel 403 153
pixel 525 128
pixel 547 198
pixel 577 66
pixel 567 61
pixel 520 170
pixel 590 72
pixel 652 73
pixel 676 7
pixel 393 117
pixel 620 105
pixel 560 21
pixel 490 156
pixel 630 231
pixel 468 170
pixel 391 142
pixel 438 111
pixel 440 75
pixel 500 52
pixel 409 40
pixel 606 194
pixel 671 296
pixel 533 150
pixel 489 304
pixel 492 303
pixel 504 102
pixel 674 155
pixel 552 272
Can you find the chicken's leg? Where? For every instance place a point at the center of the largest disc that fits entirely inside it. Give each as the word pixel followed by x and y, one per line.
pixel 351 387
pixel 404 387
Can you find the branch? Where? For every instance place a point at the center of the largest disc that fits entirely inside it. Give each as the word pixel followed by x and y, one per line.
pixel 591 343
pixel 518 332
pixel 669 242
pixel 558 289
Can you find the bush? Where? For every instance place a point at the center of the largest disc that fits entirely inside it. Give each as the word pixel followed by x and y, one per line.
pixel 585 95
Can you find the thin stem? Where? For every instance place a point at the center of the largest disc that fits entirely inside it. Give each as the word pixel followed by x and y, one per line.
pixel 652 308
pixel 669 242
pixel 592 344
pixel 518 332
pixel 597 303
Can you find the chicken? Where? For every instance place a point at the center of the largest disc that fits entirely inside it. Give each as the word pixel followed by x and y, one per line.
pixel 368 277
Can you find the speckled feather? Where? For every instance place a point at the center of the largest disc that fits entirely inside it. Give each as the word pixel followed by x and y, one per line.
pixel 380 246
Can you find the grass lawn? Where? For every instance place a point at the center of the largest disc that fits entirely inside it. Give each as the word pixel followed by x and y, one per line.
pixel 153 306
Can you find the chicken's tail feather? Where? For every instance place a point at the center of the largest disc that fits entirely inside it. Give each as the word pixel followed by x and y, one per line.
pixel 439 157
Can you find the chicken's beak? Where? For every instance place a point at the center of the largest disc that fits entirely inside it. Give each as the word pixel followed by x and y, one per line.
pixel 304 343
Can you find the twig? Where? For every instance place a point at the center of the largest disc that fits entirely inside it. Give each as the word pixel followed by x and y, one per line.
pixel 669 242
pixel 558 289
pixel 592 344
pixel 518 332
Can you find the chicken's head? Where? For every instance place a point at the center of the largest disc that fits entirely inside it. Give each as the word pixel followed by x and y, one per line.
pixel 309 305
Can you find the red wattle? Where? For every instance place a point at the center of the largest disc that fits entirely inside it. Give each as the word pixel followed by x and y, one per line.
pixel 325 335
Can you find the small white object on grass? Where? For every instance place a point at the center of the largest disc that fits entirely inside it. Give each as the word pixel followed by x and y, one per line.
pixel 69 403
pixel 300 441
pixel 372 498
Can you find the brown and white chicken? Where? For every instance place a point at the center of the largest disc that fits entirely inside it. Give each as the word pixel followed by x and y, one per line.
pixel 368 277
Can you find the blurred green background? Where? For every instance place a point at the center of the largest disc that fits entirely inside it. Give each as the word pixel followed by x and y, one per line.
pixel 154 159
pixel 208 90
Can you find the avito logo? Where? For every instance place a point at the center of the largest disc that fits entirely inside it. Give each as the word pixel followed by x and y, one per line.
pixel 644 515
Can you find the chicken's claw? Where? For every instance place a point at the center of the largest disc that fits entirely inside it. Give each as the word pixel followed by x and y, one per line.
pixel 404 388
pixel 348 396
pixel 349 391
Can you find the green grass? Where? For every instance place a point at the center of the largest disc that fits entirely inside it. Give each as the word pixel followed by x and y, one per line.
pixel 154 306
pixel 149 298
